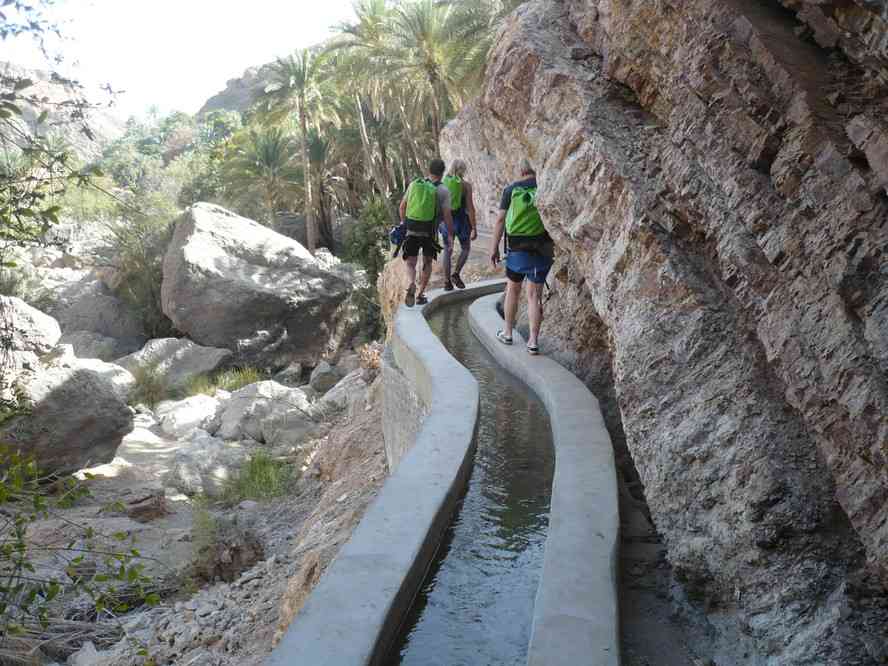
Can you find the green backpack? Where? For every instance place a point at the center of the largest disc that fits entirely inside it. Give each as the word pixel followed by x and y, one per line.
pixel 454 184
pixel 523 218
pixel 422 200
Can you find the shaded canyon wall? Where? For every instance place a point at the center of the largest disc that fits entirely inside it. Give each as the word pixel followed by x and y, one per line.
pixel 714 175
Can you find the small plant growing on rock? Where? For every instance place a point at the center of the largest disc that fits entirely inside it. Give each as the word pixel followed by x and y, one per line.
pixel 221 549
pixel 262 477
pixel 151 386
pixel 226 380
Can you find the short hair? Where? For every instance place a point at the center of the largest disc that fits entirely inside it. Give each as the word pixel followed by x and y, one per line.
pixel 527 168
pixel 458 168
pixel 436 168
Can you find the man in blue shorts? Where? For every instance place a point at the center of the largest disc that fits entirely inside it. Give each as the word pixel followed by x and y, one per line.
pixel 529 254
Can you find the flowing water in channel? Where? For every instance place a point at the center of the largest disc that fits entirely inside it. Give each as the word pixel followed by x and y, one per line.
pixel 476 604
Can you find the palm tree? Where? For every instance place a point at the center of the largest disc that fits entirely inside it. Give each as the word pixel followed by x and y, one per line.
pixel 297 87
pixel 262 159
pixel 427 50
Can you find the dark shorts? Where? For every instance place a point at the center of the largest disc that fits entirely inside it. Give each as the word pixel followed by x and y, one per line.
pixel 413 244
pixel 521 265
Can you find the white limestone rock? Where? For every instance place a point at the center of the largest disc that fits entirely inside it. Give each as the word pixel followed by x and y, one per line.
pixel 179 418
pixel 205 465
pixel 28 329
pixel 177 358
pixel 269 413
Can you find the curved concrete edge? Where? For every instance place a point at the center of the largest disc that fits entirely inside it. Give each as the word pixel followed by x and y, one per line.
pixel 576 615
pixel 356 609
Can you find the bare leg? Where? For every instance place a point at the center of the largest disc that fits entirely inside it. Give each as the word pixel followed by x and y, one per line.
pixel 447 258
pixel 510 307
pixel 411 268
pixel 426 274
pixel 464 249
pixel 534 312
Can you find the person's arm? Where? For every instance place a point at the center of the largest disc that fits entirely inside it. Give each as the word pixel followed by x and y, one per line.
pixel 498 230
pixel 448 222
pixel 470 209
pixel 402 210
pixel 446 213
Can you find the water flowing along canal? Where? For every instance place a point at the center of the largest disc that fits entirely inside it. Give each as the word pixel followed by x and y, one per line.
pixel 476 603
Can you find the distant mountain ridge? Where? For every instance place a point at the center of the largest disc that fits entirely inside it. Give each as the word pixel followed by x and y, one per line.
pixel 240 93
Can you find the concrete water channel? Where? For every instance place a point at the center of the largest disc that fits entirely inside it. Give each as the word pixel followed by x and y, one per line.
pixel 503 583
pixel 476 604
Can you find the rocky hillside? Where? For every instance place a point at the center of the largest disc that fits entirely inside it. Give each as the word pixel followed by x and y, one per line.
pixel 55 96
pixel 241 92
pixel 714 175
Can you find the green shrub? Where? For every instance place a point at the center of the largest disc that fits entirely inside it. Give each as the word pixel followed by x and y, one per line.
pixel 366 242
pixel 262 477
pixel 85 203
pixel 135 250
pixel 151 386
pixel 226 380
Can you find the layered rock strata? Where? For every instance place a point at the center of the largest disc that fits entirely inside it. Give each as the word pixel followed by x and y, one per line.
pixel 721 224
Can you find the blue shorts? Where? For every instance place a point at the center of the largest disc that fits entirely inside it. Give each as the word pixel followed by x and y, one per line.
pixel 534 267
pixel 461 227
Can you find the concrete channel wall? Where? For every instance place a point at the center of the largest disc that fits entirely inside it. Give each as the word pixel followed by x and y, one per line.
pixel 576 615
pixel 354 613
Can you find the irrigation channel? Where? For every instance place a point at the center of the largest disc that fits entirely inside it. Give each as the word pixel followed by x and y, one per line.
pixel 476 603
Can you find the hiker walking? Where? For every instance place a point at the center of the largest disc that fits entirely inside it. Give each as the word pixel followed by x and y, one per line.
pixel 462 206
pixel 425 204
pixel 529 254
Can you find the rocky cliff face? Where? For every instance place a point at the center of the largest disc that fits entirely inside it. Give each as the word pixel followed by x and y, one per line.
pixel 714 174
pixel 240 93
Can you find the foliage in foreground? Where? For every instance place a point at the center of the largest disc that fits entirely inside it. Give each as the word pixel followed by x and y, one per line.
pixel 103 572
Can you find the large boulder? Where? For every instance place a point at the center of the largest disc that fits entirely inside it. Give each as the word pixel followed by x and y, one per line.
pixel 77 415
pixel 269 413
pixel 348 395
pixel 205 465
pixel 88 305
pixel 120 379
pixel 179 418
pixel 323 377
pixel 26 329
pixel 89 344
pixel 177 359
pixel 230 282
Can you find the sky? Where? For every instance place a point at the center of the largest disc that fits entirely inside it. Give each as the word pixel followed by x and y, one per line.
pixel 175 54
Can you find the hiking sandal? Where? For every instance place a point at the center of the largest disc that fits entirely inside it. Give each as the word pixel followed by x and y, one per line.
pixel 502 337
pixel 421 299
pixel 457 280
pixel 533 350
pixel 410 298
